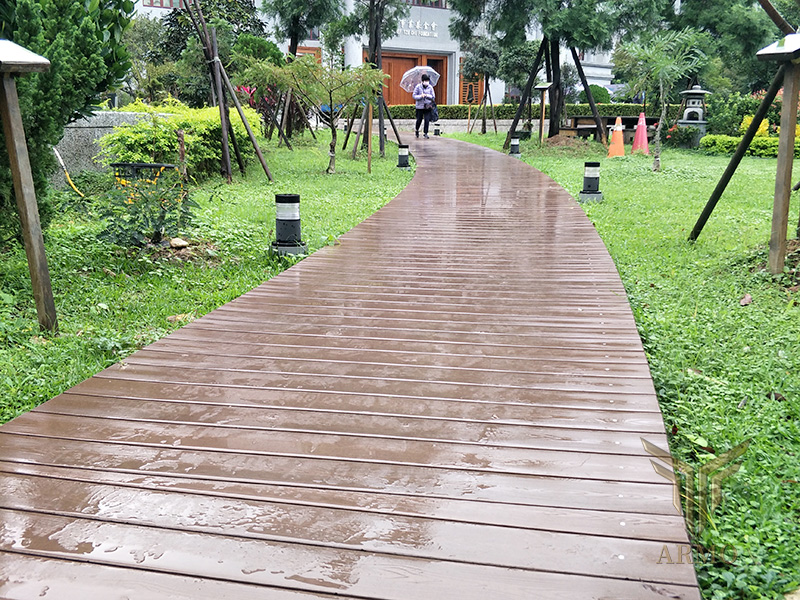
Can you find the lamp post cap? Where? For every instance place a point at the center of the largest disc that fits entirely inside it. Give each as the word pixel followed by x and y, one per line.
pixel 785 49
pixel 16 59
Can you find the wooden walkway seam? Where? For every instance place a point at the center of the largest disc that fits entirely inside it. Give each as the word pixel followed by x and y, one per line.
pixel 449 403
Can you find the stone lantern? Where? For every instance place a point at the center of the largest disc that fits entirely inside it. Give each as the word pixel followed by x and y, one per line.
pixel 694 113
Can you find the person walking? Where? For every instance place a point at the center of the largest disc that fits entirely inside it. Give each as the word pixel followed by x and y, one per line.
pixel 424 97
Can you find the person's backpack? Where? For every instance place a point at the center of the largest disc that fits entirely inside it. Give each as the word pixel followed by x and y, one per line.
pixel 434 112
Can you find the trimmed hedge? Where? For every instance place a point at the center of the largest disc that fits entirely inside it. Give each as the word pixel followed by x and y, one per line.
pixel 155 139
pixel 766 147
pixel 507 111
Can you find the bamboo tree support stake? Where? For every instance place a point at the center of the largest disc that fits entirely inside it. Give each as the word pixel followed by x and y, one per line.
pixel 360 130
pixel 526 93
pixel 391 120
pixel 381 126
pixel 25 194
pixel 783 179
pixel 226 152
pixel 491 103
pixel 273 114
pixel 369 138
pixel 286 120
pixel 250 133
pixel 601 132
pixel 350 124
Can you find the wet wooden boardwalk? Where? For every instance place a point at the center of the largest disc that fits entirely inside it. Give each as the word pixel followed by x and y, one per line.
pixel 449 404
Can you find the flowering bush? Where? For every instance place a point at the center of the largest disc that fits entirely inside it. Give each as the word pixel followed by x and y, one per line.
pixel 763 128
pixel 681 137
pixel 145 209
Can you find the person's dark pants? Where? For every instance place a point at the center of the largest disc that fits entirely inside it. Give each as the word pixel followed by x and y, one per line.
pixel 423 113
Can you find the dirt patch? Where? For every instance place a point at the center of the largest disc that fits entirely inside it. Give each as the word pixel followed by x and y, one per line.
pixel 197 252
pixel 564 141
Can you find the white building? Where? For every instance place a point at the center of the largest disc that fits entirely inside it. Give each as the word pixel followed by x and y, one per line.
pixel 422 38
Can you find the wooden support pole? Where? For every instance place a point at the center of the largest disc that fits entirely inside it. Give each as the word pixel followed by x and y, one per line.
pixel 766 102
pixel 360 130
pixel 541 118
pixel 526 93
pixel 783 179
pixel 349 127
pixel 369 137
pixel 601 131
pixel 223 118
pixel 25 194
pixel 381 126
pixel 391 120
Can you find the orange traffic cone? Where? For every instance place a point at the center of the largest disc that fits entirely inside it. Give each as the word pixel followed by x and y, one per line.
pixel 617 146
pixel 640 139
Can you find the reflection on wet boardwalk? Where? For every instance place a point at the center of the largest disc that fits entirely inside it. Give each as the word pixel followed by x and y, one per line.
pixel 448 404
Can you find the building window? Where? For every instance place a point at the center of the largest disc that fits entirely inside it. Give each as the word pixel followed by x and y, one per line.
pixel 428 3
pixel 168 4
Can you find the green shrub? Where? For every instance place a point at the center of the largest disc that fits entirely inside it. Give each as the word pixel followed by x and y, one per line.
pixel 719 144
pixel 765 147
pixel 600 94
pixel 155 139
pixel 681 137
pixel 507 111
pixel 146 208
pixel 725 113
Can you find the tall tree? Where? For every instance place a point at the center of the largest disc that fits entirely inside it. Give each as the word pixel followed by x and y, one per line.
pixel 482 58
pixel 241 15
pixel 736 30
pixel 580 24
pixel 379 18
pixel 294 19
pixel 660 61
pixel 83 41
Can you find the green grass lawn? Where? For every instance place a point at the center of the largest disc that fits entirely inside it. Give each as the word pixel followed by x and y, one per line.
pixel 724 372
pixel 111 302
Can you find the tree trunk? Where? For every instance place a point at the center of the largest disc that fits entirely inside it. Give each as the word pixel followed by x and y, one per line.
pixel 555 89
pixel 332 151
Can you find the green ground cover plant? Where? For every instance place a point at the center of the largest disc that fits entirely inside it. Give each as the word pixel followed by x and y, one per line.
pixel 112 301
pixel 720 335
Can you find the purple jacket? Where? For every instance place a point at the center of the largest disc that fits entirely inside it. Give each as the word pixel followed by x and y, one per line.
pixel 422 95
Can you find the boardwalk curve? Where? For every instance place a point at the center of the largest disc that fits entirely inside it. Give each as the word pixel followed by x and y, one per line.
pixel 448 404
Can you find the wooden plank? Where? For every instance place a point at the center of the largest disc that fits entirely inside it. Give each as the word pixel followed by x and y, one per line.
pixel 548 461
pixel 645 526
pixel 314 568
pixel 288 526
pixel 314 473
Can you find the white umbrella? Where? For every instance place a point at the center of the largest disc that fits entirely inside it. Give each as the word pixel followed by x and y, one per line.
pixel 414 75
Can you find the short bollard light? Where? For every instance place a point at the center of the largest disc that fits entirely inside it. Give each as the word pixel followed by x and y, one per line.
pixel 287 225
pixel 437 130
pixel 514 149
pixel 591 183
pixel 402 156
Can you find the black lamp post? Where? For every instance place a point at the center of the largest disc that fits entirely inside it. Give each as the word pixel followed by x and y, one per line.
pixel 287 225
